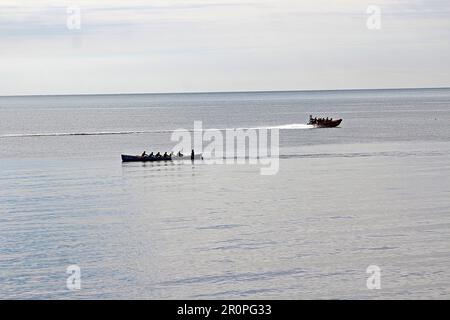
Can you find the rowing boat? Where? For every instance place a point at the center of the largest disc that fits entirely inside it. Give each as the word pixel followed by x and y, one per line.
pixel 131 158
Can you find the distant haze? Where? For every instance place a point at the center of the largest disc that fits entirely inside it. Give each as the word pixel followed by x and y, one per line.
pixel 130 46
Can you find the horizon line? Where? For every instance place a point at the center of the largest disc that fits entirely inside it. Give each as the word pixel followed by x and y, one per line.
pixel 218 92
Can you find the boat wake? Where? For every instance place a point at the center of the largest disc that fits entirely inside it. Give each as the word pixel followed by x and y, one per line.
pixel 294 126
pixel 62 134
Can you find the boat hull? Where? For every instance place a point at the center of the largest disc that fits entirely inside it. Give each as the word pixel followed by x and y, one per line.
pixel 129 158
pixel 327 124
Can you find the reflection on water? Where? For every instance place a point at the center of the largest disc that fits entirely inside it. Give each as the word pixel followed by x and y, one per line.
pixel 183 230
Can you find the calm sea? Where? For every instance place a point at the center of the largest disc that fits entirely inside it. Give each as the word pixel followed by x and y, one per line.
pixel 375 191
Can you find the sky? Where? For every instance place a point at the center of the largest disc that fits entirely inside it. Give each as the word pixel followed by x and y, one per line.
pixel 135 46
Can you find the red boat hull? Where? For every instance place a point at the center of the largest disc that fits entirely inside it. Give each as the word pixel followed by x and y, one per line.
pixel 328 124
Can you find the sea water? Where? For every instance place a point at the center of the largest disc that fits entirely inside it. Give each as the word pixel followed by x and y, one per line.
pixel 373 192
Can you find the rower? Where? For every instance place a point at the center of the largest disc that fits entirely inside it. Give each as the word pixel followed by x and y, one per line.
pixel 143 154
pixel 180 154
pixel 151 154
pixel 165 155
pixel 158 155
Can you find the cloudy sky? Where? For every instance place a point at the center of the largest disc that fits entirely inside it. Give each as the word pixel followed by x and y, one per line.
pixel 126 46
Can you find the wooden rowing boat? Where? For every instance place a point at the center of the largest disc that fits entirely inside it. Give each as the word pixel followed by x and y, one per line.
pixel 131 158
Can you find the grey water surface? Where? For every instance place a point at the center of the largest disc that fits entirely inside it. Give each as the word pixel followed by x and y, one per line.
pixel 375 191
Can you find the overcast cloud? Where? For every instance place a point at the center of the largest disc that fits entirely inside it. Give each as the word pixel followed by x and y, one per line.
pixel 217 45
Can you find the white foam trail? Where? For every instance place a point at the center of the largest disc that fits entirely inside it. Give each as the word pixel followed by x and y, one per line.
pixel 293 126
pixel 57 134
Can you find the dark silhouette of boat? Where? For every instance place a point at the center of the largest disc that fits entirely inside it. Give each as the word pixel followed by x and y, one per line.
pixel 146 158
pixel 152 158
pixel 324 122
